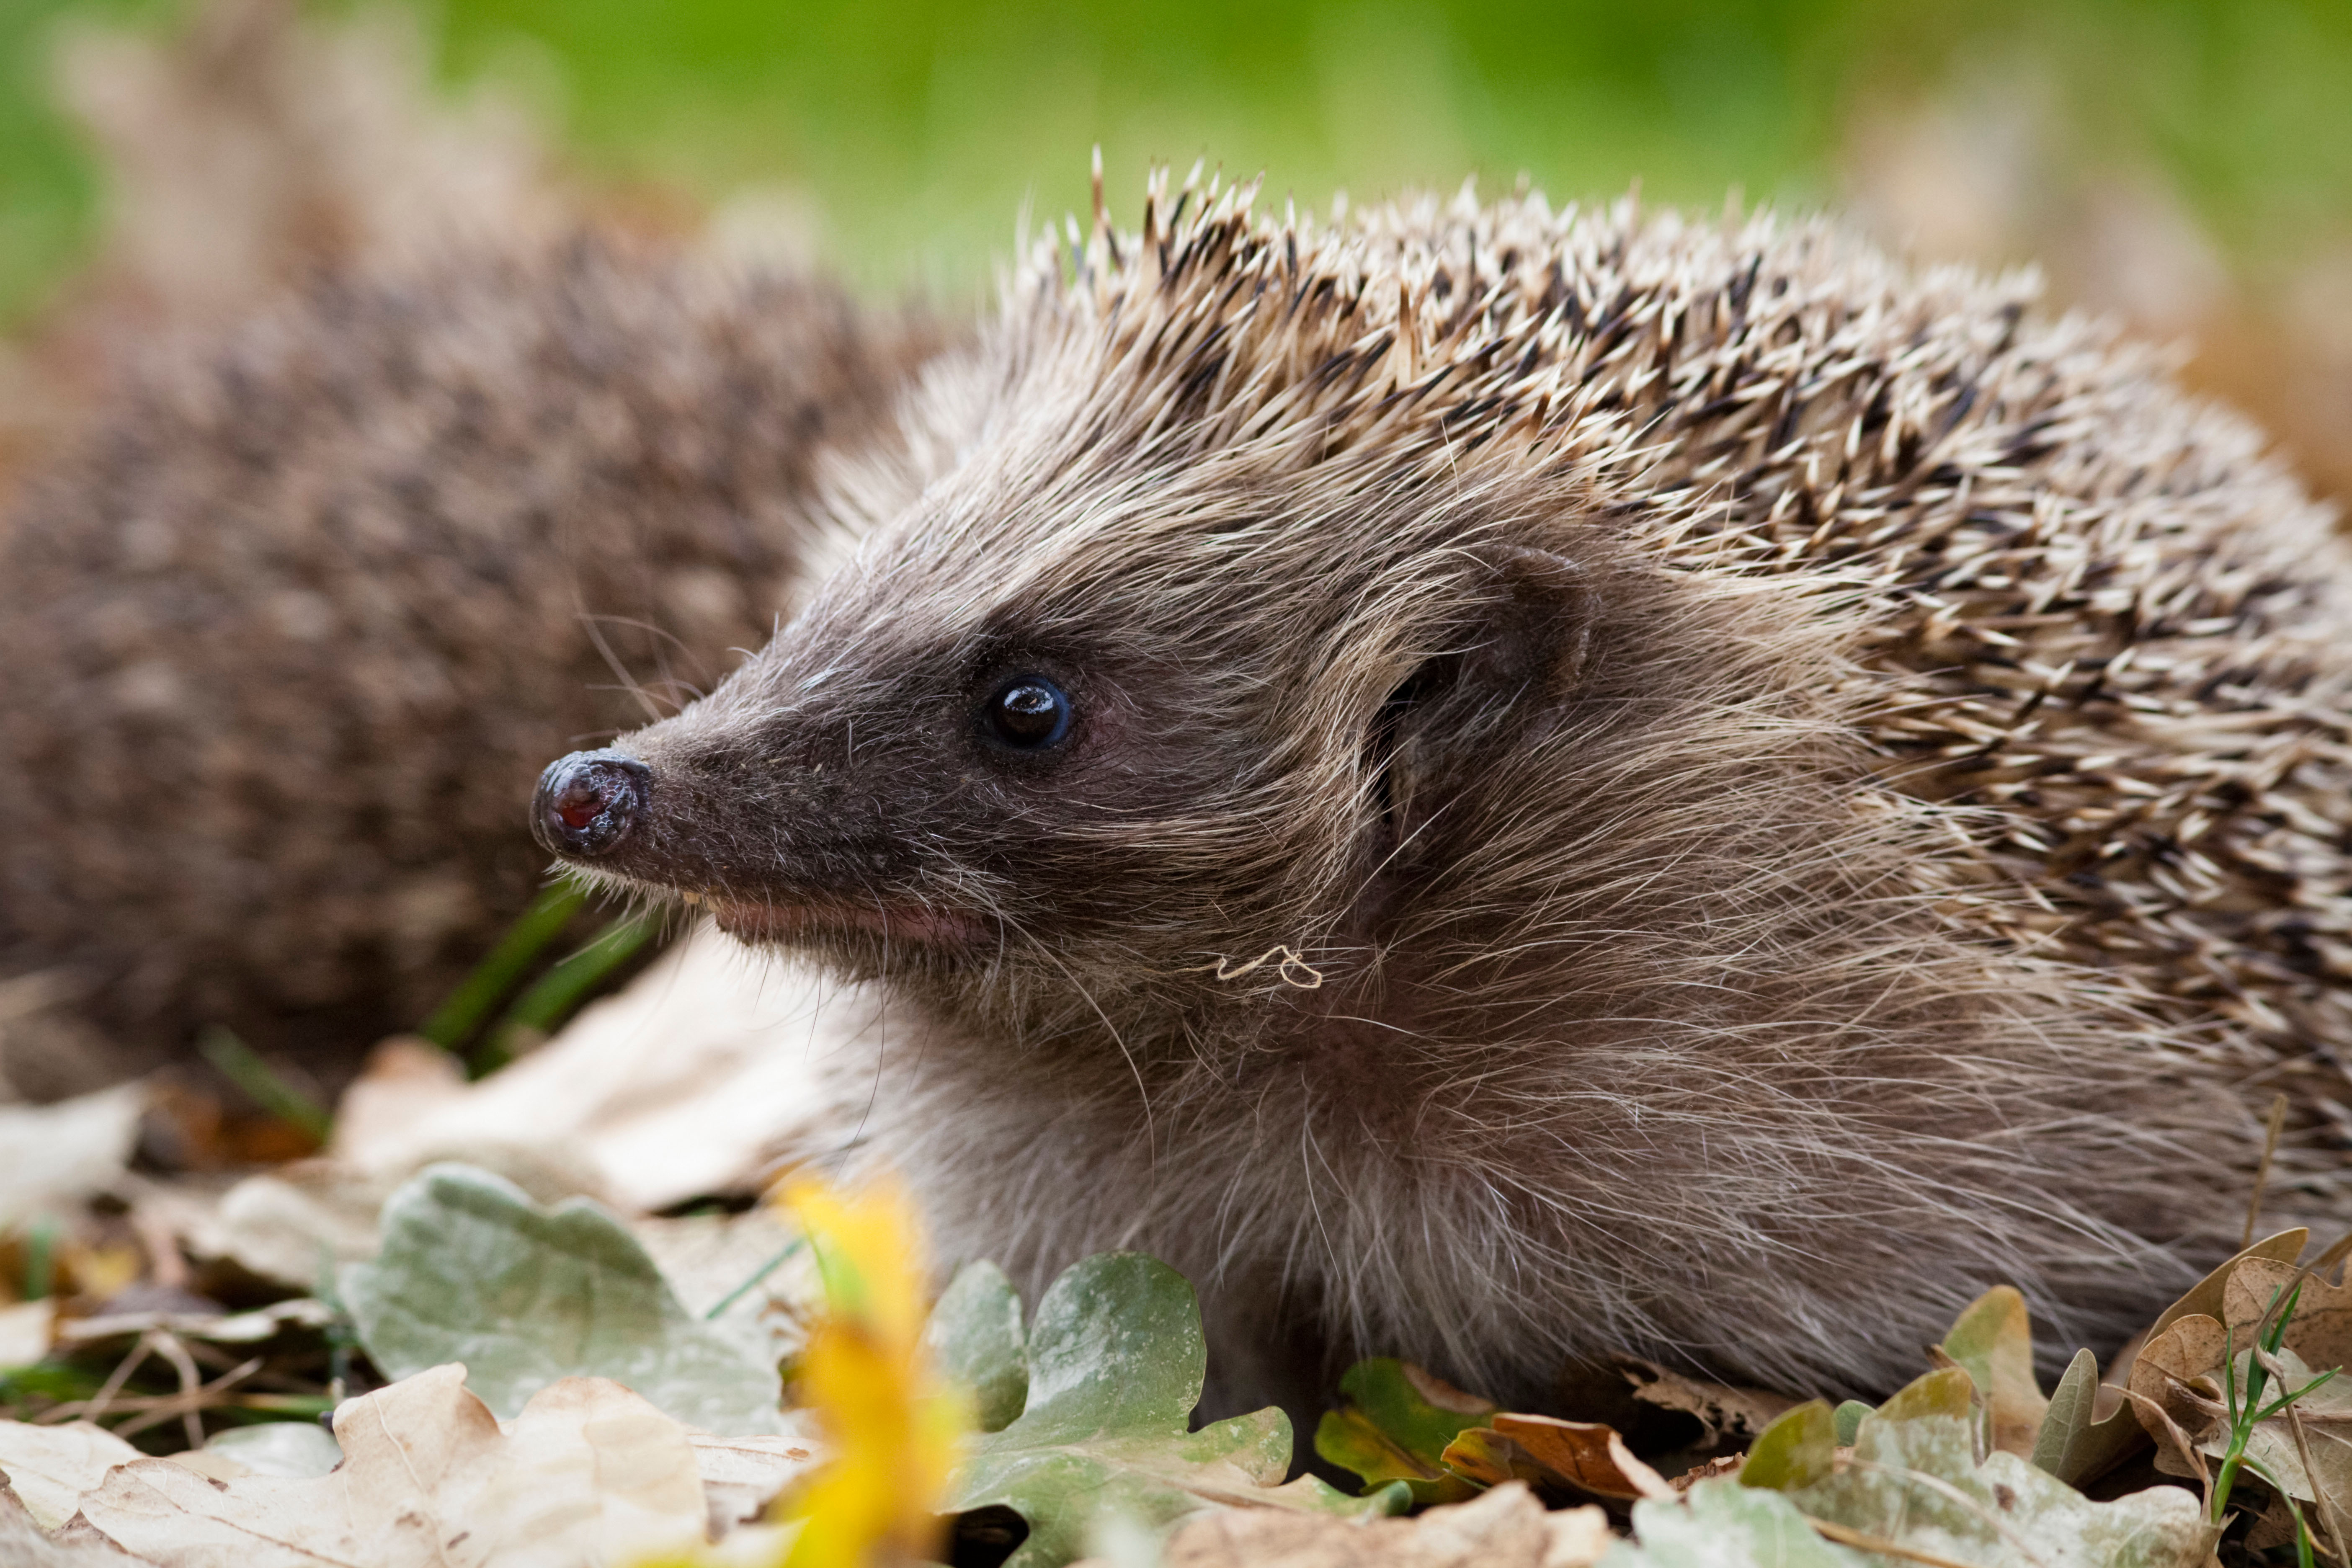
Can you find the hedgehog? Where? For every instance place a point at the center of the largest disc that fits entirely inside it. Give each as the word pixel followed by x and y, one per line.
pixel 291 630
pixel 1510 787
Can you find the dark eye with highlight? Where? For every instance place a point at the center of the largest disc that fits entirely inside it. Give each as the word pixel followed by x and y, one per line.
pixel 1029 713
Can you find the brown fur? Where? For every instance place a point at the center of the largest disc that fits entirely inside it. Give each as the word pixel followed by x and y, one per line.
pixel 288 634
pixel 1637 787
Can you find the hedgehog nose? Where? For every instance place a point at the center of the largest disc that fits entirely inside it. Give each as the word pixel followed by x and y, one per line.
pixel 588 802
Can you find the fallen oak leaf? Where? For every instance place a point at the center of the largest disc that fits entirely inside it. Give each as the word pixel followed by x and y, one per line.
pixel 53 1156
pixel 2271 1450
pixel 49 1468
pixel 1504 1528
pixel 668 1089
pixel 2165 1394
pixel 1117 1361
pixel 1395 1423
pixel 1722 1524
pixel 472 1271
pixel 1723 1412
pixel 1587 1456
pixel 1797 1450
pixel 1485 1458
pixel 2061 1445
pixel 2101 1445
pixel 26 1330
pixel 975 1335
pixel 1993 1340
pixel 1913 1481
pixel 587 1472
pixel 2320 1328
pixel 25 1544
pixel 293 1449
pixel 742 1475
pixel 2306 1447
pixel 2171 1439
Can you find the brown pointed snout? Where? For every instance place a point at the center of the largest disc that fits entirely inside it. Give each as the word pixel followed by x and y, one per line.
pixel 589 801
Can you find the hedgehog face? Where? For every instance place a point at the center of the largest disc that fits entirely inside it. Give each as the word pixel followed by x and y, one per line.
pixel 1148 756
pixel 1192 662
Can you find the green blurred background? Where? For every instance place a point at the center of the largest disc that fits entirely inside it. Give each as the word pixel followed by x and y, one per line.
pixel 911 133
pixel 2182 165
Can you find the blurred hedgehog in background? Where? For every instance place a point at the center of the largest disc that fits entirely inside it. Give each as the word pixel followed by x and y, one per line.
pixel 244 152
pixel 376 497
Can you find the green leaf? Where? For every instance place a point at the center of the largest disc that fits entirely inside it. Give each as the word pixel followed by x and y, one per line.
pixel 1993 1340
pixel 473 1271
pixel 556 994
pixel 1913 1481
pixel 1115 1365
pixel 2060 1448
pixel 250 1071
pixel 975 1334
pixel 292 1450
pixel 1848 1416
pixel 1395 1425
pixel 1721 1524
pixel 465 1009
pixel 1948 1392
pixel 1796 1450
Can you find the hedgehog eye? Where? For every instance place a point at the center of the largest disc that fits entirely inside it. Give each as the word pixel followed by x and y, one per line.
pixel 1029 713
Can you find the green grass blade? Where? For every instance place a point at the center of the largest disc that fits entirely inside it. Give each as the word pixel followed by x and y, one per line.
pixel 241 1066
pixel 41 1258
pixel 758 1274
pixel 554 995
pixel 462 1015
pixel 2283 1400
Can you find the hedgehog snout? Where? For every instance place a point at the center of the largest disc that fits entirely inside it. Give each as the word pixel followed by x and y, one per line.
pixel 588 802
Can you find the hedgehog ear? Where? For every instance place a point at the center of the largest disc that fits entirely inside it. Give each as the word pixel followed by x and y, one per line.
pixel 1539 615
pixel 1525 640
pixel 1525 647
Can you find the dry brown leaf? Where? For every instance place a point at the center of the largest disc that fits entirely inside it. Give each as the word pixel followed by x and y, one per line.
pixel 2115 1433
pixel 742 1475
pixel 2165 1372
pixel 1587 1456
pixel 708 1258
pixel 1724 1411
pixel 24 1330
pixel 49 1468
pixel 25 1544
pixel 407 1078
pixel 288 1224
pixel 587 1474
pixel 678 1087
pixel 211 1464
pixel 2179 1376
pixel 56 1155
pixel 285 1223
pixel 2321 1329
pixel 1504 1528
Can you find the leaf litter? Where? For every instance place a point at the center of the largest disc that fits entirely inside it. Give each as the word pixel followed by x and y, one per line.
pixel 471 1271
pixel 1114 1363
pixel 565 1377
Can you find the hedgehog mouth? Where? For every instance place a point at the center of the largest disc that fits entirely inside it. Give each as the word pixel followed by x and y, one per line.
pixel 759 920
